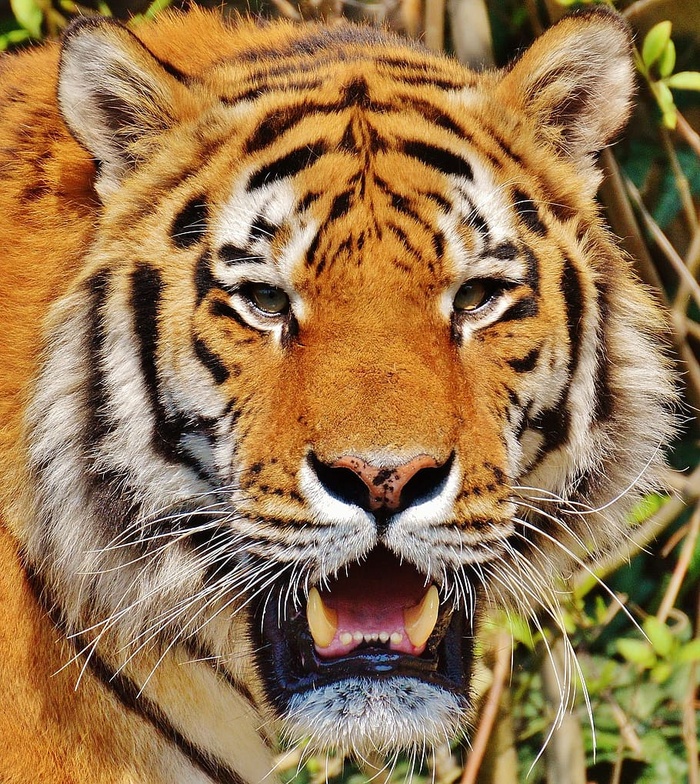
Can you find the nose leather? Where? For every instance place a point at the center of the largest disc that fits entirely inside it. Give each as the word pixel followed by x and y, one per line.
pixel 385 484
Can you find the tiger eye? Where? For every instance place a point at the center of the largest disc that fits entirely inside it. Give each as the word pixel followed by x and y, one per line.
pixel 271 300
pixel 472 295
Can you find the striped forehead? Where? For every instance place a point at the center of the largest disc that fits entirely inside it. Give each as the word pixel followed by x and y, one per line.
pixel 268 205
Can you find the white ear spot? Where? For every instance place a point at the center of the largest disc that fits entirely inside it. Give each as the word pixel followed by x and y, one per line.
pixel 114 96
pixel 576 82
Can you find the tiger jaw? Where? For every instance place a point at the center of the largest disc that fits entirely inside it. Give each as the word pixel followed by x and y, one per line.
pixel 375 633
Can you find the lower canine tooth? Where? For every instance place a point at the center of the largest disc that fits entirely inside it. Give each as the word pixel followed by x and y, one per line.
pixel 421 619
pixel 323 622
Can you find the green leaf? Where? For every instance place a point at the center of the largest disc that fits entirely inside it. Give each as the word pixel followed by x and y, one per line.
pixel 667 61
pixel 659 636
pixel 684 80
pixel 690 652
pixel 156 7
pixel 655 42
pixel 637 652
pixel 12 37
pixel 670 119
pixel 29 14
pixel 646 506
pixel 662 672
pixel 664 97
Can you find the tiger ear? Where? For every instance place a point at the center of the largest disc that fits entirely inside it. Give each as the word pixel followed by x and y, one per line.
pixel 115 96
pixel 576 82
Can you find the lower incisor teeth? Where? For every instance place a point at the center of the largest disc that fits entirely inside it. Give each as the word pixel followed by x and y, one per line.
pixel 421 619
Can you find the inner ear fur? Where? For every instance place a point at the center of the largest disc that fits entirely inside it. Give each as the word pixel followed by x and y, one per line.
pixel 576 82
pixel 115 96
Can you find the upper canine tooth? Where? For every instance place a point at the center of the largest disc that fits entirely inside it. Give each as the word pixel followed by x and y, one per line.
pixel 421 619
pixel 323 622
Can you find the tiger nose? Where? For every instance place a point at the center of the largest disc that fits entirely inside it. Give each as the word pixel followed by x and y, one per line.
pixel 379 489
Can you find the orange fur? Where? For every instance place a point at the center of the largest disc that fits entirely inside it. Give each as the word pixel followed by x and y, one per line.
pixel 374 361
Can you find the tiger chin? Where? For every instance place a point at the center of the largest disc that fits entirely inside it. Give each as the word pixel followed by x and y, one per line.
pixel 316 350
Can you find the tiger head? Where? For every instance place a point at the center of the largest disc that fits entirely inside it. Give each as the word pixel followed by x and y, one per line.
pixel 351 359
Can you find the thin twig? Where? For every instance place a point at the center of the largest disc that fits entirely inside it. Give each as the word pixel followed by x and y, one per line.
pixel 639 538
pixel 640 8
pixel 489 712
pixel 689 134
pixel 435 24
pixel 690 722
pixel 624 223
pixel 663 242
pixel 692 262
pixel 681 180
pixel 681 569
pixel 287 10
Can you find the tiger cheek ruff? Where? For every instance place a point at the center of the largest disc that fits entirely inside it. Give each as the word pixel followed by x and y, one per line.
pixel 318 349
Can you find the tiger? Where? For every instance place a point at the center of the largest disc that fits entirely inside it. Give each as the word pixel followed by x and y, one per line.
pixel 317 353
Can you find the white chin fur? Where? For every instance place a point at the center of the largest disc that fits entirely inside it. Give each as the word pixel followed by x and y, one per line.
pixel 363 717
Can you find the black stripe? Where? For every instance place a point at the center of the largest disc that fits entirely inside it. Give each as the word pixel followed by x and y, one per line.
pixel 553 424
pixel 504 251
pixel 219 308
pixel 232 254
pixel 419 73
pixel 258 89
pixel 474 219
pixel 308 200
pixel 261 228
pixel 211 361
pixel 146 291
pixel 349 142
pixel 204 280
pixel 402 204
pixel 190 224
pixel 528 212
pixel 356 93
pixel 127 692
pixel 439 199
pixel 431 113
pixel 269 130
pixel 99 420
pixel 439 244
pixel 404 239
pixel 340 206
pixel 532 276
pixel 312 249
pixel 147 288
pixel 287 166
pixel 574 303
pixel 604 406
pixel 526 363
pixel 199 651
pixel 438 158
pixel 522 309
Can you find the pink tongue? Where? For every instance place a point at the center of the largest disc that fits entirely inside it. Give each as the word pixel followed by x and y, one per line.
pixel 370 600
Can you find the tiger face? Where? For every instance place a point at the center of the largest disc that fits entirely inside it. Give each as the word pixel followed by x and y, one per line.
pixel 349 352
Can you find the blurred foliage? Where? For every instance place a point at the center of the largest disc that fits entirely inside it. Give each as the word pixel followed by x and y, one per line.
pixel 635 624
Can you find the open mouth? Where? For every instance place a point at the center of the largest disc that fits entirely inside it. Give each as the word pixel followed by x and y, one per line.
pixel 380 618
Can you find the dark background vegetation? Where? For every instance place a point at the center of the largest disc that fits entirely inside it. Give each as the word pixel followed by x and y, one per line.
pixel 643 688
